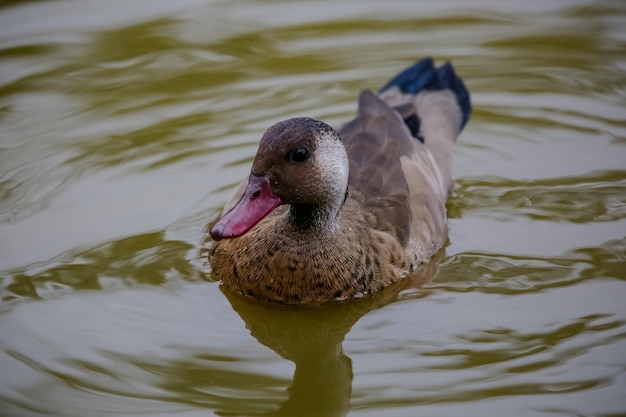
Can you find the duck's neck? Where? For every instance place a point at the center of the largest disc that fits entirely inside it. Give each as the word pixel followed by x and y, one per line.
pixel 319 218
pixel 313 218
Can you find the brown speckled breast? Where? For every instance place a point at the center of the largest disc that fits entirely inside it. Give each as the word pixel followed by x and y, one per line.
pixel 274 263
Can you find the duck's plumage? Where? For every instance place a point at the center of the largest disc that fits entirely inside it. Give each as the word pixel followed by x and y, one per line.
pixel 331 215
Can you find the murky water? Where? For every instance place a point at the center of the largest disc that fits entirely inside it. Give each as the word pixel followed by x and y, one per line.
pixel 125 125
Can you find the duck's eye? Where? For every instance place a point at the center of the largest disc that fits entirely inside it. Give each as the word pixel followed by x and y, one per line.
pixel 299 155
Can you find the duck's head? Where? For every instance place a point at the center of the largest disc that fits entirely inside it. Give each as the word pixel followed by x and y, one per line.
pixel 301 162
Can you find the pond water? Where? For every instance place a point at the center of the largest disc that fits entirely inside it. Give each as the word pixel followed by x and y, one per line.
pixel 126 125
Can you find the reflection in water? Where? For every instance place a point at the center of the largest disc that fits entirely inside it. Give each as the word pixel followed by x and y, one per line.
pixel 311 337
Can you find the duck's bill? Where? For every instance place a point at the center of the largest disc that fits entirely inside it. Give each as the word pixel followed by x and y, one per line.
pixel 257 201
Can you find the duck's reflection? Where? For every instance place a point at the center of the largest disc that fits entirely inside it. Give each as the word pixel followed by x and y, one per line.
pixel 311 337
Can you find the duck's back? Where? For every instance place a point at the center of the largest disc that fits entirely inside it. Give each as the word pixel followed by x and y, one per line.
pixel 400 150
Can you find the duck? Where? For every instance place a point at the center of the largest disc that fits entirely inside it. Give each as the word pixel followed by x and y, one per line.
pixel 334 214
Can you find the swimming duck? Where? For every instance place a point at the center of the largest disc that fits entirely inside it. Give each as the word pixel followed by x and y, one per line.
pixel 335 214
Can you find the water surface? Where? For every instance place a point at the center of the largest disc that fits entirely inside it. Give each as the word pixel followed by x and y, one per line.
pixel 125 126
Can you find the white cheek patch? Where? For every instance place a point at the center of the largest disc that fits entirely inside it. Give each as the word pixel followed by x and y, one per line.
pixel 331 161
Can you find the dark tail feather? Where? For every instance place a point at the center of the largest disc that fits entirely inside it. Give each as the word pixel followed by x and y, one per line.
pixel 424 76
pixel 414 78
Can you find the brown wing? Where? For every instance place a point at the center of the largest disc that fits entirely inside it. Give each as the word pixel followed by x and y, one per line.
pixel 376 140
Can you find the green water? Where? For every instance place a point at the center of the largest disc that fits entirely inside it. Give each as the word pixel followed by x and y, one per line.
pixel 125 126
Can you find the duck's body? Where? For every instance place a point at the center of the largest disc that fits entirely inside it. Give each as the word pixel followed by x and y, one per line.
pixel 325 218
